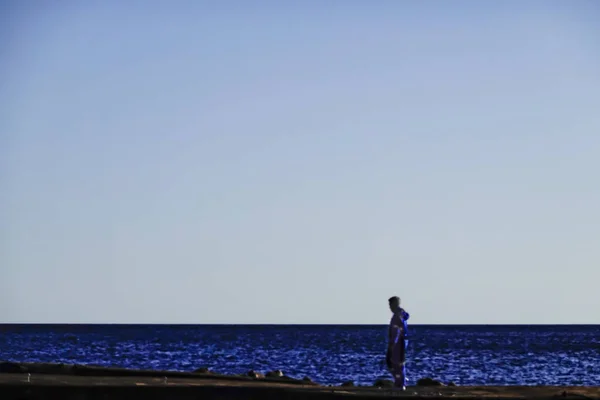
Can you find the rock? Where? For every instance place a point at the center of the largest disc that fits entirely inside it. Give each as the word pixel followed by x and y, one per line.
pixel 451 384
pixel 429 382
pixel 202 370
pixel 383 383
pixel 12 368
pixel 255 375
pixel 275 374
pixel 307 379
pixel 347 384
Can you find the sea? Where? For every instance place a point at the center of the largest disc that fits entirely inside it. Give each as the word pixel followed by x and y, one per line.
pixel 465 355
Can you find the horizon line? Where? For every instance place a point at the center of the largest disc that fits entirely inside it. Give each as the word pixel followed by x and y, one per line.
pixel 289 324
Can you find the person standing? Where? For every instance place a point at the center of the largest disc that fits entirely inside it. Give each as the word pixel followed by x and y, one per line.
pixel 397 342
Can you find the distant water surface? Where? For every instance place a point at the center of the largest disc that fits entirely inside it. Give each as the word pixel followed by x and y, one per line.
pixel 466 355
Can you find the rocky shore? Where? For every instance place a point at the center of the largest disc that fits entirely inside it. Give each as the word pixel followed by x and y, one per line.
pixel 61 381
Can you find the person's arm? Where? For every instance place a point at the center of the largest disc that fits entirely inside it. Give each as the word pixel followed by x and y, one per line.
pixel 395 332
pixel 392 336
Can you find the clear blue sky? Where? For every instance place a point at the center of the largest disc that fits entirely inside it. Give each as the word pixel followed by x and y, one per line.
pixel 299 162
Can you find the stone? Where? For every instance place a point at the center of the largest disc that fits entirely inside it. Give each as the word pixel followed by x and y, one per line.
pixel 347 384
pixel 383 383
pixel 307 379
pixel 275 374
pixel 255 375
pixel 429 382
pixel 202 370
pixel 451 384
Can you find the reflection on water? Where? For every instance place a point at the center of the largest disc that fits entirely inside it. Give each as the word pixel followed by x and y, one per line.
pixel 468 355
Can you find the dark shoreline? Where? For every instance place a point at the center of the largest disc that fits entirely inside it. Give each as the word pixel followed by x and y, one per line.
pixel 38 381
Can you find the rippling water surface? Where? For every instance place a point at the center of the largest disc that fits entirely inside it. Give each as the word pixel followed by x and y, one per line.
pixel 467 355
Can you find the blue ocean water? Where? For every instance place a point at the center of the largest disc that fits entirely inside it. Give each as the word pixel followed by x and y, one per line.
pixel 467 355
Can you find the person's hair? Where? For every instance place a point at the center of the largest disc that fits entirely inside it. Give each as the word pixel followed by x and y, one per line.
pixel 394 298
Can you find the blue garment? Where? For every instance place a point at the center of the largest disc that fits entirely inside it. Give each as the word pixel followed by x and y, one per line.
pixel 405 317
pixel 399 326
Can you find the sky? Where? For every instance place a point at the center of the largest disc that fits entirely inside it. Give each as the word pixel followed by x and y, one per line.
pixel 299 162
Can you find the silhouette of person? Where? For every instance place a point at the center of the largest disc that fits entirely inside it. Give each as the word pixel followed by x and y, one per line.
pixel 397 343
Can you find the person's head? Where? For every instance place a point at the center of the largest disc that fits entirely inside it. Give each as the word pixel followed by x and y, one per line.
pixel 394 303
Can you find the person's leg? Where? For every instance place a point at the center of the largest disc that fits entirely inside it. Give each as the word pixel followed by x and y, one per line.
pixel 398 376
pixel 404 362
pixel 398 365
